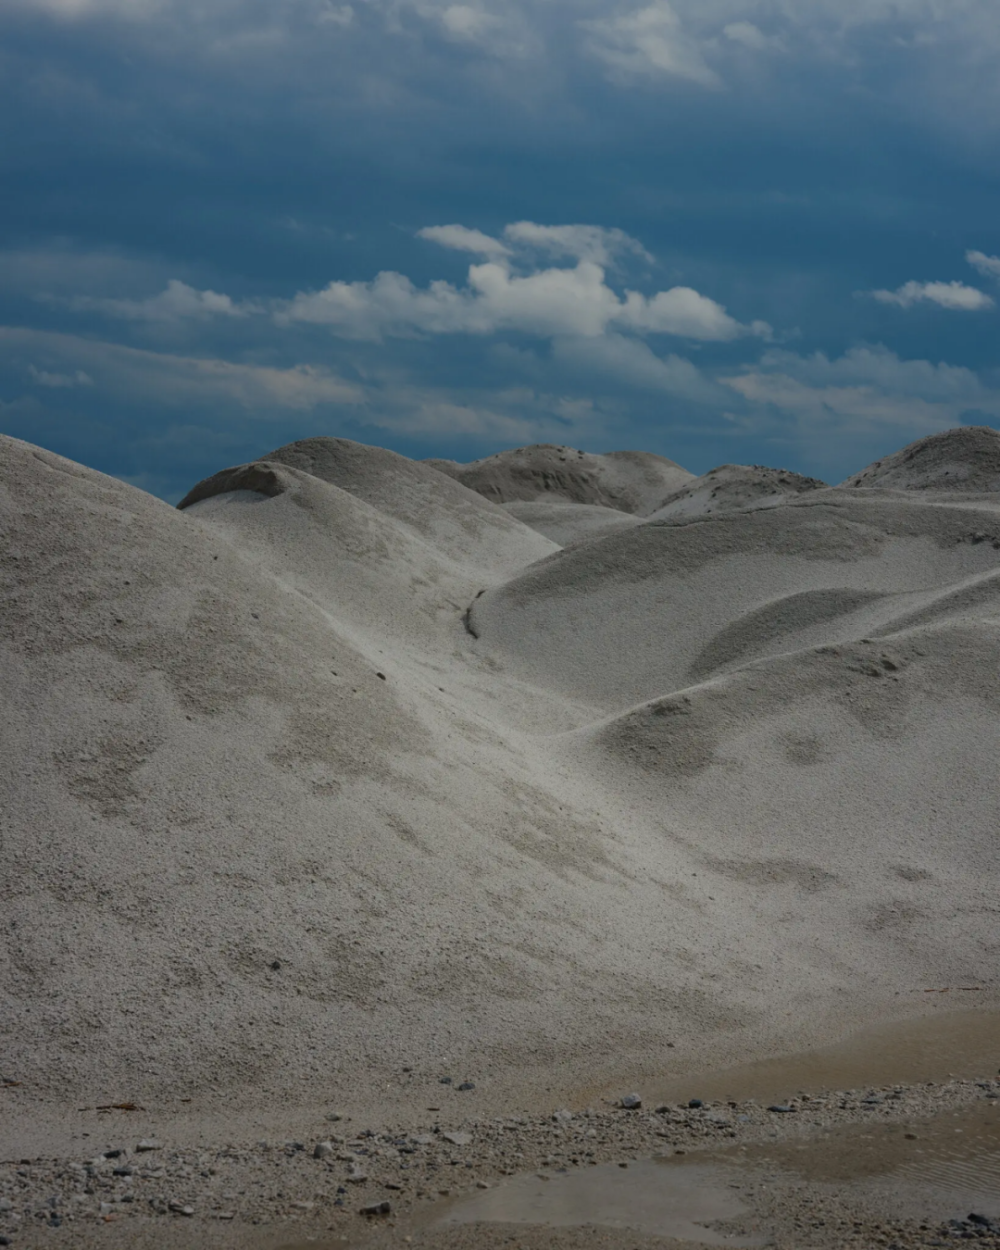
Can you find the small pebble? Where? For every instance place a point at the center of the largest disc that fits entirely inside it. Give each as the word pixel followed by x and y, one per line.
pixel 630 1102
pixel 377 1208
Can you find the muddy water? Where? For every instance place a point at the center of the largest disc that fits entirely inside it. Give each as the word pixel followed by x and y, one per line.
pixel 953 1044
pixel 646 1197
pixel 931 1169
pixel 925 1170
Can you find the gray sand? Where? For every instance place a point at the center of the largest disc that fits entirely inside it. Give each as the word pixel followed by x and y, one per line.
pixel 344 769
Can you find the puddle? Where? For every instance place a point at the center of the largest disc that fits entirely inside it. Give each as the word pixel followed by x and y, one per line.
pixel 956 1044
pixel 926 1168
pixel 932 1170
pixel 645 1197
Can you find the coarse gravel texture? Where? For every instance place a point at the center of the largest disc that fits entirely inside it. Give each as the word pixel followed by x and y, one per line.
pixel 283 1192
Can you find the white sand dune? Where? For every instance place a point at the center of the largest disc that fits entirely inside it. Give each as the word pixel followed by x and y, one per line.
pixel 566 523
pixel 342 767
pixel 630 481
pixel 966 459
pixel 731 487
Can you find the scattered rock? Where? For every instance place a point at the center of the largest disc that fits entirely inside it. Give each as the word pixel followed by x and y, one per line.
pixel 377 1208
pixel 780 1108
pixel 466 1085
pixel 630 1102
pixel 323 1150
pixel 179 1208
pixel 694 1103
pixel 148 1143
pixel 458 1139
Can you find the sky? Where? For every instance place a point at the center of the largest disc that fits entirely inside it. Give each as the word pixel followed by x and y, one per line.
pixel 726 231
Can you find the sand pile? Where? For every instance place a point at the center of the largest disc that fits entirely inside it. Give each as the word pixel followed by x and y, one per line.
pixel 732 487
pixel 630 481
pixel 965 459
pixel 342 769
pixel 566 523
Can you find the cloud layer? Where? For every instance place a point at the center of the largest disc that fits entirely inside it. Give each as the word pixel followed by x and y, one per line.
pixel 226 226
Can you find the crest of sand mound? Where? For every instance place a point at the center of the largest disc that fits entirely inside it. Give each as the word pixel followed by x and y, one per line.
pixel 280 831
pixel 966 459
pixel 732 487
pixel 451 518
pixel 631 481
pixel 566 523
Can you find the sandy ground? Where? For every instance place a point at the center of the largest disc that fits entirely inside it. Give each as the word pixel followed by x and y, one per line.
pixel 837 1168
pixel 343 772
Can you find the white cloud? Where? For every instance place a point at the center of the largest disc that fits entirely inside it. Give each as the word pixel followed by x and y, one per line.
pixel 547 302
pixel 632 362
pixel 177 302
pixel 166 378
pixel 749 36
pixel 866 387
pixel 988 265
pixel 649 42
pixel 596 243
pixel 463 21
pixel 59 381
pixel 335 15
pixel 684 312
pixel 955 296
pixel 462 239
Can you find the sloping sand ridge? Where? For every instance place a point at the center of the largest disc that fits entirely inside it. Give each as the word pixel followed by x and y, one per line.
pixel 342 768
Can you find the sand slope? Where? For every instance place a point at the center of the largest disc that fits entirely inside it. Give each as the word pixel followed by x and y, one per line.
pixel 965 459
pixel 342 768
pixel 566 523
pixel 734 486
pixel 631 481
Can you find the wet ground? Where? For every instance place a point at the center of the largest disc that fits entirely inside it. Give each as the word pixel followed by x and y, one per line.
pixel 889 1140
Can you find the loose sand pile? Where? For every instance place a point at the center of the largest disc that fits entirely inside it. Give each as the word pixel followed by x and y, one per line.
pixel 966 459
pixel 631 481
pixel 342 769
pixel 732 487
pixel 566 523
